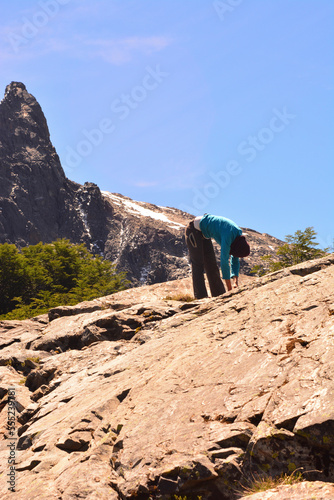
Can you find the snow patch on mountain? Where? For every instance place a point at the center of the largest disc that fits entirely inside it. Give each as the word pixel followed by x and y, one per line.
pixel 139 210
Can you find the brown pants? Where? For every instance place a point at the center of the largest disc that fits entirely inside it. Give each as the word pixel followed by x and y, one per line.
pixel 202 258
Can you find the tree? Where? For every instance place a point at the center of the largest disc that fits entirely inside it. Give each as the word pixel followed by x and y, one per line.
pixel 298 248
pixel 13 276
pixel 47 275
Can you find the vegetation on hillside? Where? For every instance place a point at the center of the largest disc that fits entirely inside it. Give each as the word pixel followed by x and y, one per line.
pixel 265 483
pixel 298 248
pixel 38 277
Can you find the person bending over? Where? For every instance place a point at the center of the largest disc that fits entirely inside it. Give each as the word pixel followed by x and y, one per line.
pixel 202 257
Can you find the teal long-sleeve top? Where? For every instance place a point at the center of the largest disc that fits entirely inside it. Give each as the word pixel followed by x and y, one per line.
pixel 223 231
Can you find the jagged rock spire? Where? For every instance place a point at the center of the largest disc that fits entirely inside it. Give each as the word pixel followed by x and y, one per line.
pixel 13 86
pixel 32 181
pixel 22 121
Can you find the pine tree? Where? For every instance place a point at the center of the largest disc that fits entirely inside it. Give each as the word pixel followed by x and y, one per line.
pixel 47 275
pixel 13 276
pixel 298 248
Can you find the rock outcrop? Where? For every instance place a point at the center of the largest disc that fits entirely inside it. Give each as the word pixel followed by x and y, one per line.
pixel 39 203
pixel 139 396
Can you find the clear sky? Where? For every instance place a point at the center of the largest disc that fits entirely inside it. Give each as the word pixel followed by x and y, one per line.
pixel 223 107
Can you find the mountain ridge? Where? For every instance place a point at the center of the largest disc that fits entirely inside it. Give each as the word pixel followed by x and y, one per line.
pixel 39 203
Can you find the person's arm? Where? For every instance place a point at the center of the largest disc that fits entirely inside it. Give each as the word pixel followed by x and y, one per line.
pixel 235 265
pixel 228 284
pixel 225 265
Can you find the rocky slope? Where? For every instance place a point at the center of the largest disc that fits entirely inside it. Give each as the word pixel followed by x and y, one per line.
pixel 138 396
pixel 39 203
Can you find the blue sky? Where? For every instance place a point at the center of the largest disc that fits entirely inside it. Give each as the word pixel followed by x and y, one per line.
pixel 223 107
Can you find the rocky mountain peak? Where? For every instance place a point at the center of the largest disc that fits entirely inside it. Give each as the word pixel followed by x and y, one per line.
pixel 15 87
pixel 22 121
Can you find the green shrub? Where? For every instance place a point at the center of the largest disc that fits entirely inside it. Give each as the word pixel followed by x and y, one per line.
pixel 43 276
pixel 298 248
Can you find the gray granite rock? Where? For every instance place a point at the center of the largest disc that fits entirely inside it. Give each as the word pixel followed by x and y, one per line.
pixel 187 399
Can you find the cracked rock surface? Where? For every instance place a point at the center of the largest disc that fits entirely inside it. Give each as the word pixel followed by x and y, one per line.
pixel 138 396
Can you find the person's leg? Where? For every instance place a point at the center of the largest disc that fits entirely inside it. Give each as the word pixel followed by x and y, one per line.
pixel 212 269
pixel 194 240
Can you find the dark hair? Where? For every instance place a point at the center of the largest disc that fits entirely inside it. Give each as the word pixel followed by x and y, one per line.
pixel 240 247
